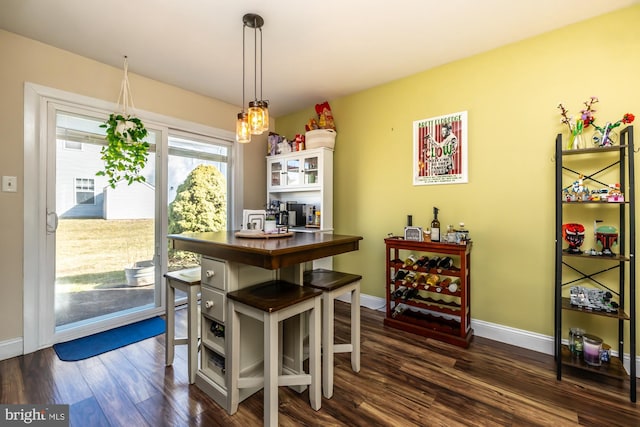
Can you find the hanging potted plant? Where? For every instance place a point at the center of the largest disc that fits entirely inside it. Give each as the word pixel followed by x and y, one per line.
pixel 125 155
pixel 126 152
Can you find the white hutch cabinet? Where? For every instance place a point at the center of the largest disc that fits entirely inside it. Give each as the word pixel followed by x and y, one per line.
pixel 303 177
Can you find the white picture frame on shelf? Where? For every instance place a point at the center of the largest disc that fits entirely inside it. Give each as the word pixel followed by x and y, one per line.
pixel 256 217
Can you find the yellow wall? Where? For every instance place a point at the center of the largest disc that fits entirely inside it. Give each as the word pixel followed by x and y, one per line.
pixel 26 60
pixel 511 94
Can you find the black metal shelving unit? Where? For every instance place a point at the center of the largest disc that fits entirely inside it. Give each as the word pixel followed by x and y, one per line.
pixel 625 262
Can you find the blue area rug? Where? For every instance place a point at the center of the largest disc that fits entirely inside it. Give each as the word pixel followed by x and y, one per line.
pixel 102 342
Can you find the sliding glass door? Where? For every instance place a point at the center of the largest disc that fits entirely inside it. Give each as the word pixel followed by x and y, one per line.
pixel 197 191
pixel 105 241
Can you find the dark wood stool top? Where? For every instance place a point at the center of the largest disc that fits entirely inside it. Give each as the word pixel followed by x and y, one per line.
pixel 273 295
pixel 328 280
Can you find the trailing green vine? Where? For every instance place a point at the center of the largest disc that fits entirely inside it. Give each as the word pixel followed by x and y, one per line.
pixel 126 152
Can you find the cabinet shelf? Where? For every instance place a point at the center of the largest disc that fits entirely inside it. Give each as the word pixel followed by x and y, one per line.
pixel 594 202
pixel 614 368
pixel 616 258
pixel 610 148
pixel 619 314
pixel 438 271
pixel 441 307
pixel 620 162
pixel 425 287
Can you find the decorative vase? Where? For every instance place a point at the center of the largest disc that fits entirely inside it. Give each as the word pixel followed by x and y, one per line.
pixel 609 138
pixel 576 141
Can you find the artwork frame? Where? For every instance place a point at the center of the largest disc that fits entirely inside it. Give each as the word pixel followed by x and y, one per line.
pixel 440 150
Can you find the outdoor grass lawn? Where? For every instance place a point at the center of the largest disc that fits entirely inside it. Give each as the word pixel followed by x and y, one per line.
pixel 92 252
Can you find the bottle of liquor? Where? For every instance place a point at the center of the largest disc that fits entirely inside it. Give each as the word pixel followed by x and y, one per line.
pixel 435 226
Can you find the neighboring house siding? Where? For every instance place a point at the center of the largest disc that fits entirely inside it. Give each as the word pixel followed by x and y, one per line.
pixel 135 201
pixel 74 166
pixel 71 165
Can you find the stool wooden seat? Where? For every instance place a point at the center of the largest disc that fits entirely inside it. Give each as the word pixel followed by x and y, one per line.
pixel 271 303
pixel 334 284
pixel 187 280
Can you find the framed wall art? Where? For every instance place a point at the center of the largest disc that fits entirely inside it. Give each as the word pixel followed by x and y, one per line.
pixel 440 150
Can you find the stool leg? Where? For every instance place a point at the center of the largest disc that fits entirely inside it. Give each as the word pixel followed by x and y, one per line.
pixel 232 330
pixel 355 329
pixel 315 392
pixel 192 333
pixel 328 310
pixel 271 366
pixel 170 314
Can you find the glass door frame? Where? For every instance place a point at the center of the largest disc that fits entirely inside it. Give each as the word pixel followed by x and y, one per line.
pixel 38 308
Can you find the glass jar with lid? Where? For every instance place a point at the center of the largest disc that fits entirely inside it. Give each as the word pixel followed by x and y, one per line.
pixel 575 341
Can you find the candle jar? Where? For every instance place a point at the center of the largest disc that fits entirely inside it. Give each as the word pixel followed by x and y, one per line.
pixel 575 341
pixel 592 346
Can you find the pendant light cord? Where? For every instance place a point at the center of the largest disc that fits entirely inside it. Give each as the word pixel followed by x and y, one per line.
pixel 255 59
pixel 243 57
pixel 261 98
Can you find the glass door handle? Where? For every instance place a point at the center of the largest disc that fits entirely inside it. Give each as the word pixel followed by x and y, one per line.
pixel 52 222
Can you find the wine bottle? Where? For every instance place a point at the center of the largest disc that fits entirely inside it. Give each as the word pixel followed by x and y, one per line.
pixel 400 275
pixel 411 293
pixel 409 278
pixel 445 263
pixel 398 310
pixel 398 292
pixel 421 262
pixel 435 226
pixel 409 261
pixel 433 262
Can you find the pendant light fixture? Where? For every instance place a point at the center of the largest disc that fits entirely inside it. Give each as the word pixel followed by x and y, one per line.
pixel 256 120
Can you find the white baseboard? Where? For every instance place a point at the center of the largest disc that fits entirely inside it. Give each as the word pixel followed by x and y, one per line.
pixel 493 331
pixel 11 348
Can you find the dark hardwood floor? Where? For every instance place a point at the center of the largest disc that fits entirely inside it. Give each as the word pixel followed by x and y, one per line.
pixel 405 380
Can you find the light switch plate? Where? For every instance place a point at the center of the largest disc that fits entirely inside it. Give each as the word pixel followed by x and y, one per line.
pixel 10 184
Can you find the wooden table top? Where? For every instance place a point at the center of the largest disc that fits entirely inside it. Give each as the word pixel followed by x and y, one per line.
pixel 266 253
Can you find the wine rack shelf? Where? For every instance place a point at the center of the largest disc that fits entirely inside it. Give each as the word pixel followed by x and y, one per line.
pixel 421 299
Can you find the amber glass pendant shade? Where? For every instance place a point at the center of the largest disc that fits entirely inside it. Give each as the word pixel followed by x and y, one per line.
pixel 243 135
pixel 256 118
pixel 265 116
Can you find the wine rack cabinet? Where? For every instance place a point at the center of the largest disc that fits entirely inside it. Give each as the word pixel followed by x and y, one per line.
pixel 434 302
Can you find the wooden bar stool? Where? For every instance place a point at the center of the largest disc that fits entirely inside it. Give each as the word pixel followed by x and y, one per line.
pixel 271 303
pixel 187 280
pixel 334 284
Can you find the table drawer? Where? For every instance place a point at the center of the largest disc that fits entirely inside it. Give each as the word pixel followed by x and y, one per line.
pixel 214 304
pixel 214 273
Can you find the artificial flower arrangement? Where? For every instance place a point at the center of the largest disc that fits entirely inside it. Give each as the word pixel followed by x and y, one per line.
pixel 603 136
pixel 577 127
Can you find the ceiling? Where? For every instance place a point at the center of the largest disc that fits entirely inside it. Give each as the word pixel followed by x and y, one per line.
pixel 313 51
